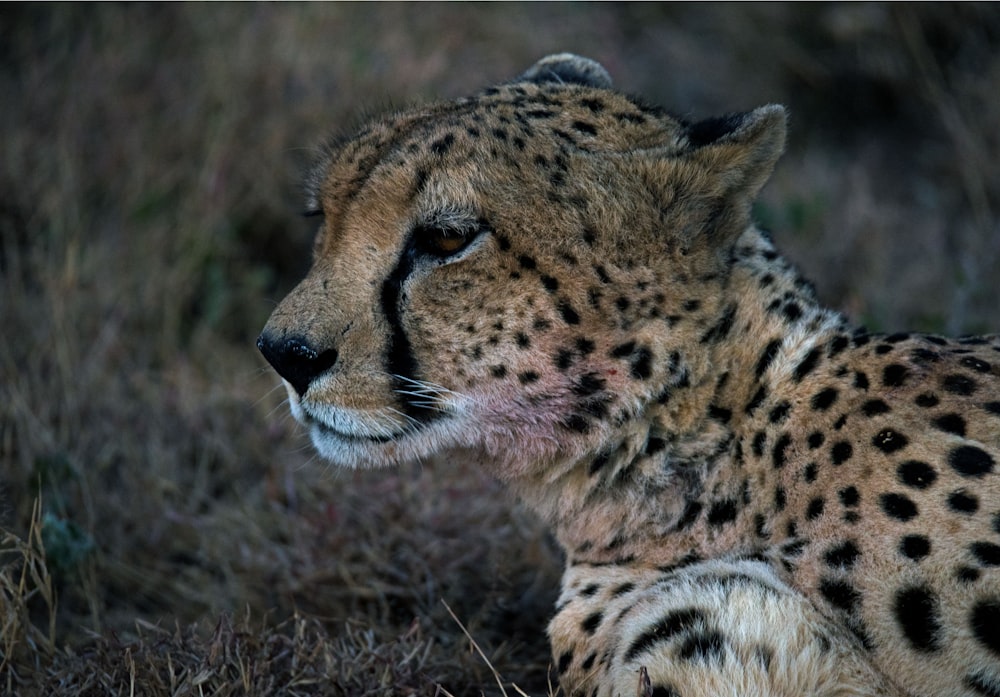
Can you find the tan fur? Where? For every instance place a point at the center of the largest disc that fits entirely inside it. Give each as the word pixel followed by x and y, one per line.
pixel 566 286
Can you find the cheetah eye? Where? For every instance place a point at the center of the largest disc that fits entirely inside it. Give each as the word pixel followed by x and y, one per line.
pixel 445 241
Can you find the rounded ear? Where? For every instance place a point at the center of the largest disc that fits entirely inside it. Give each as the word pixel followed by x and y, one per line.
pixel 741 148
pixel 567 68
pixel 706 184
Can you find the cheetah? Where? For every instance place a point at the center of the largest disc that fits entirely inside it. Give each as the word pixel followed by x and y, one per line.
pixel 564 284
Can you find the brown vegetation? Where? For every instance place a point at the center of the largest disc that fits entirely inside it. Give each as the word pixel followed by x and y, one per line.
pixel 166 529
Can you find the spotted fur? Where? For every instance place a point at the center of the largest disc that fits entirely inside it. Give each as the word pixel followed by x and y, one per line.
pixel 754 496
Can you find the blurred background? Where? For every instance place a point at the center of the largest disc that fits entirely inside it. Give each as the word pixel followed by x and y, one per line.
pixel 163 523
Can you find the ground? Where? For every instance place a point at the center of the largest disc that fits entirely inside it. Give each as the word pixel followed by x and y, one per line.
pixel 149 222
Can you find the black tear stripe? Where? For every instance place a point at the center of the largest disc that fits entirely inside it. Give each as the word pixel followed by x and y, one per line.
pixel 399 360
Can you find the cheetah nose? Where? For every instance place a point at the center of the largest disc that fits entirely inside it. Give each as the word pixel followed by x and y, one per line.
pixel 295 360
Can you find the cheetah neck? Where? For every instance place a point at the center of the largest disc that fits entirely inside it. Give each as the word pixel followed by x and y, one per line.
pixel 675 483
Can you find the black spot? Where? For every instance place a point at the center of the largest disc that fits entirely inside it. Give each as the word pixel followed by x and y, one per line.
pixel 528 377
pixel 962 501
pixel 840 594
pixel 894 375
pixel 522 340
pixel 664 691
pixel 691 305
pixel 883 349
pixel 874 407
pixel 793 549
pixel 927 400
pixel 822 400
pixel 720 330
pixel 551 284
pixel 917 474
pixel 967 574
pixel 567 312
pixel 984 618
pixel 843 555
pixel 654 445
pixel 815 508
pixel 915 547
pixel 757 446
pixel 889 441
pixel 815 440
pixel 640 367
pixel 767 357
pixel 722 512
pixel 563 359
pixel 755 401
pixel 778 454
pixel 951 423
pixel 839 423
pixel 860 380
pixel 622 589
pixel 598 463
pixel 590 624
pixel 576 423
pixel 704 647
pixel 526 262
pixel 622 350
pixel 809 472
pixel 584 127
pixel 841 452
pixel 970 461
pixel 588 384
pixel 978 365
pixel 987 553
pixel 959 384
pixel 720 414
pixel 760 525
pixel 898 506
pixel 807 365
pixel 916 610
pixel 792 311
pixel 669 626
pixel 849 496
pixel 499 371
pixel 779 412
pixel 690 515
pixel 564 661
pixel 780 499
pixel 595 105
pixel 838 344
pixel 443 144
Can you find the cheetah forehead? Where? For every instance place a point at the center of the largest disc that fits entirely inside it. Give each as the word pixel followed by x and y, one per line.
pixel 511 122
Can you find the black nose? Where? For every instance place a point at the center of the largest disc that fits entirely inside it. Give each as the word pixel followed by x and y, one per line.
pixel 295 360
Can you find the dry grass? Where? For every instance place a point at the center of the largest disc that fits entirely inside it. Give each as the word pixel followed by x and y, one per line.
pixel 188 542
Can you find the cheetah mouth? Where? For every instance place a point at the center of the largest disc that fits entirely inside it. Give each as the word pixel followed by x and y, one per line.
pixel 321 429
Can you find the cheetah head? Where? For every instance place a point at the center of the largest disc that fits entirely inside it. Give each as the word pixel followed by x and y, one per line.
pixel 506 274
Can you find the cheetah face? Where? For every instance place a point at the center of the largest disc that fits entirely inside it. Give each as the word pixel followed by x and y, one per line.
pixel 502 274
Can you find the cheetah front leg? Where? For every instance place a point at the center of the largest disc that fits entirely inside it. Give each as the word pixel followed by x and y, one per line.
pixel 721 628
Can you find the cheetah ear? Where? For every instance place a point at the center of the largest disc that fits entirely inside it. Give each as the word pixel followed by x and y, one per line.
pixel 567 68
pixel 708 181
pixel 741 149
